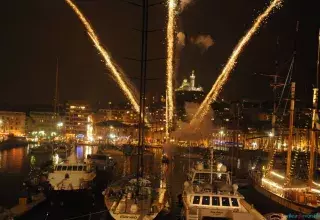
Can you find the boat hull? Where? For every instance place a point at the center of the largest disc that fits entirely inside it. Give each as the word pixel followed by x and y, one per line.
pixel 282 201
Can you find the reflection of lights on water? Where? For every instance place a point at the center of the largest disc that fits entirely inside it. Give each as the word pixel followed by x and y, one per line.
pixel 32 160
pixel 87 150
pixel 79 152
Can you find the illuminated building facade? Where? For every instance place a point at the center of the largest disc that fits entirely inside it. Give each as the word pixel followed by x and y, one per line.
pixel 13 123
pixel 44 122
pixel 76 119
pixel 187 92
pixel 124 114
pixel 189 86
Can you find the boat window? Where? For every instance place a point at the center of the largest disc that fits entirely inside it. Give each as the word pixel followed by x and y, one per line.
pixel 74 168
pixel 234 202
pixel 225 201
pixel 69 168
pixel 215 201
pixel 59 168
pixel 196 200
pixel 205 177
pixel 64 168
pixel 206 200
pixel 80 168
pixel 84 168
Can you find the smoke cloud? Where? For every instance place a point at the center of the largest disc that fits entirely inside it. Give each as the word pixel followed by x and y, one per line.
pixel 202 41
pixel 186 132
pixel 184 4
pixel 181 39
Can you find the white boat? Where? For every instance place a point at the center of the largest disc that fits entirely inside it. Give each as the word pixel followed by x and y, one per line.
pixel 208 194
pixel 134 199
pixel 71 177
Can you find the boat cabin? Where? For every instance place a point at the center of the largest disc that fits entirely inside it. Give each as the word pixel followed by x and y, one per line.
pixel 214 201
pixel 71 168
pixel 205 175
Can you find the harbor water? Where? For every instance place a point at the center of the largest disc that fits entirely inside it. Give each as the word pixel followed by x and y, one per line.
pixel 16 164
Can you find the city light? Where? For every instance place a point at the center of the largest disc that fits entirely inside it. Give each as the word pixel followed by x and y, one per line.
pixel 254 144
pixel 271 134
pixel 221 133
pixel 59 124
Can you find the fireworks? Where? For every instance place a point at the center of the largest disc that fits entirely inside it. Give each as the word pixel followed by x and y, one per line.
pixel 117 74
pixel 172 7
pixel 222 79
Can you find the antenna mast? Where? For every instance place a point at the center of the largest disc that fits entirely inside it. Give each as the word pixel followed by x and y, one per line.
pixel 313 141
pixel 56 98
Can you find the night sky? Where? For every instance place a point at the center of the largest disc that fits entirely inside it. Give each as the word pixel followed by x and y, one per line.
pixel 34 33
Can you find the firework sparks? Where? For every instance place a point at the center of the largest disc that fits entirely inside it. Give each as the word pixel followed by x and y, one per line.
pixel 172 7
pixel 117 74
pixel 222 79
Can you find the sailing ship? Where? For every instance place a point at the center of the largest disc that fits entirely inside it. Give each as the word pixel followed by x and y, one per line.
pixel 297 195
pixel 136 197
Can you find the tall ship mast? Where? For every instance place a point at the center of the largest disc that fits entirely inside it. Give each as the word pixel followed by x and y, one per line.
pixel 299 196
pixel 137 198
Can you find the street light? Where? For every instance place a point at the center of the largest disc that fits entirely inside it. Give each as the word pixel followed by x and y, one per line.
pixel 271 134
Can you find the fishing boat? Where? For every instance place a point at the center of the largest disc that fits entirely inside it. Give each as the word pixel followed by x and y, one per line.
pixel 209 194
pixel 303 195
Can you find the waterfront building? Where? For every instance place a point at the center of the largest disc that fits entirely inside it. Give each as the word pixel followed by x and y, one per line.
pixel 48 124
pixel 13 123
pixel 76 119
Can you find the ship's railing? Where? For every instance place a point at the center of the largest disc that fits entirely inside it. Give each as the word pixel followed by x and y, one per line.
pixel 94 215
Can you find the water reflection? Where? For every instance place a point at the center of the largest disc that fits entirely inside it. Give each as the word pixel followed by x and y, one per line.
pixel 12 160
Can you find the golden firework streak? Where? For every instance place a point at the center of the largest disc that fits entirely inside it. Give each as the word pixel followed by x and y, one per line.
pixel 222 79
pixel 172 7
pixel 117 74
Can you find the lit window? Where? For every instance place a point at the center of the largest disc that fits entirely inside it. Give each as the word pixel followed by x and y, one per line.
pixel 225 201
pixel 215 201
pixel 205 200
pixel 196 200
pixel 234 202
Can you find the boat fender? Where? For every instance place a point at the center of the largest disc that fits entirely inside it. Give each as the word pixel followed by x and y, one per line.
pixel 134 208
pixel 186 184
pixel 235 188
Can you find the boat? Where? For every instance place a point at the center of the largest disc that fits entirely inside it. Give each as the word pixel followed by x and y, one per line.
pixel 62 149
pixel 302 196
pixel 165 158
pixel 135 199
pixel 101 161
pixel 12 142
pixel 70 181
pixel 42 149
pixel 71 176
pixel 208 194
